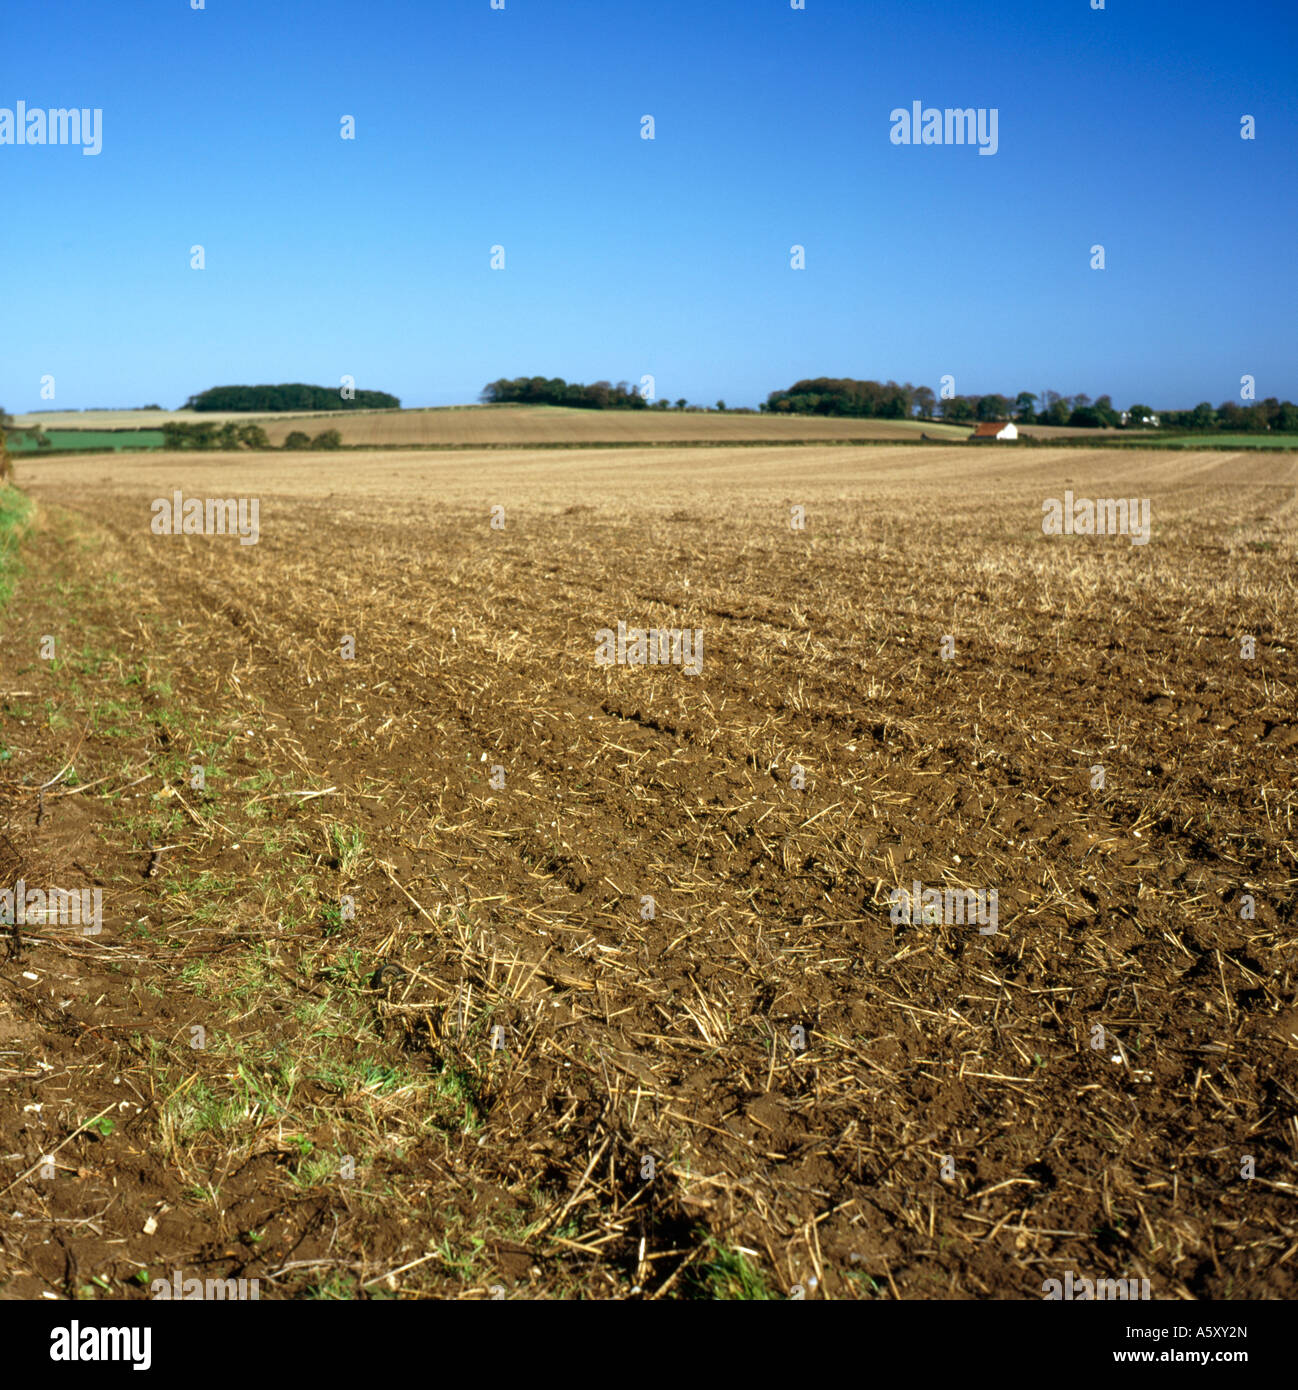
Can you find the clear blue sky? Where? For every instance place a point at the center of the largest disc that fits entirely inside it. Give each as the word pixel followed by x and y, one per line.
pixel 624 256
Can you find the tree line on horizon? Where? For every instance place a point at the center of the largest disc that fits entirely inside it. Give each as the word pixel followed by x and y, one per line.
pixel 837 396
pixel 890 401
pixel 873 400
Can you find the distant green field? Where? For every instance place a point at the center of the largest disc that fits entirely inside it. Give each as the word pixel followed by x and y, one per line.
pixel 88 439
pixel 1219 441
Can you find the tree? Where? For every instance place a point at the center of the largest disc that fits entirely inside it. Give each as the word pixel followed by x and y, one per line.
pixel 297 440
pixel 721 406
pixel 327 439
pixel 1023 406
pixel 1104 409
pixel 181 434
pixel 682 403
pixel 1057 412
pixel 6 467
pixel 253 437
pixel 992 407
pixel 1203 416
pixel 1138 414
pixel 925 400
pixel 957 408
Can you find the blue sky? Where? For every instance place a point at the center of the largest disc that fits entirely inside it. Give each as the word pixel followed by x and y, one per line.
pixel 670 257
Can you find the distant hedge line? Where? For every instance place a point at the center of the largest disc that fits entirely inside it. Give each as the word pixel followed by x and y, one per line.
pixel 292 396
pixel 206 434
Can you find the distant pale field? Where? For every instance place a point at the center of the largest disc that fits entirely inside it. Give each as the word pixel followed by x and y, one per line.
pixel 516 425
pixel 556 425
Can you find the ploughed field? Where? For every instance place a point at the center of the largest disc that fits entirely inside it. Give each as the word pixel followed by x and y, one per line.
pixel 473 966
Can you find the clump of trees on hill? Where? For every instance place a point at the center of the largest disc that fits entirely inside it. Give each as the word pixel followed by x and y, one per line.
pixel 293 396
pixel 539 390
pixel 890 401
pixel 869 400
pixel 599 395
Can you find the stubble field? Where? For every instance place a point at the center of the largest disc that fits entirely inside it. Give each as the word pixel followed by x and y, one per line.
pixel 507 1073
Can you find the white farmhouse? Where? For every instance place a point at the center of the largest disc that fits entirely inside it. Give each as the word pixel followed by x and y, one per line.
pixel 996 429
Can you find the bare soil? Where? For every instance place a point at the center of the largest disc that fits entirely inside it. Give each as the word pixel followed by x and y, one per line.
pixel 502 1075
